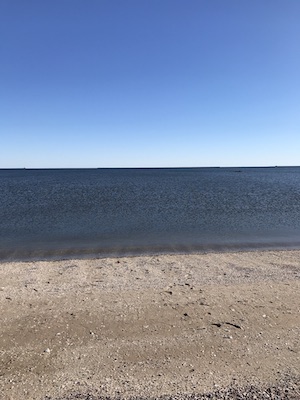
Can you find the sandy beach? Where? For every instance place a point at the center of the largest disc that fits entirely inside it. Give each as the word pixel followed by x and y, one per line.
pixel 149 326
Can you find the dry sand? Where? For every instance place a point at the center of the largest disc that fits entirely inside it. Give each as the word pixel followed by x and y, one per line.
pixel 149 325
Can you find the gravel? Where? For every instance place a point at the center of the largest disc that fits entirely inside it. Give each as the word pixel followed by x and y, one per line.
pixel 287 389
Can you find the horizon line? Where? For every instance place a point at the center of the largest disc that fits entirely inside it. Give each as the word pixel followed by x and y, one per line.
pixel 169 167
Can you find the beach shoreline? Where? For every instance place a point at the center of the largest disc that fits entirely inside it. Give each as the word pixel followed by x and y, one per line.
pixel 89 252
pixel 149 325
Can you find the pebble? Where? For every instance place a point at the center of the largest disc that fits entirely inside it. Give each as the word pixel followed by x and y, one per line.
pixel 288 390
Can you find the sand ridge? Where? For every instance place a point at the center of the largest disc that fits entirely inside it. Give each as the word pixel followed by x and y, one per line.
pixel 148 325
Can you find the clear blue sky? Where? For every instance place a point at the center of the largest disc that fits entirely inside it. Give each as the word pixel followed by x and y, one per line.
pixel 144 83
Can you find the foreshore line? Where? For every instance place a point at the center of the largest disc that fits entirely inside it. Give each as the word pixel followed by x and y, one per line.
pixel 55 253
pixel 150 326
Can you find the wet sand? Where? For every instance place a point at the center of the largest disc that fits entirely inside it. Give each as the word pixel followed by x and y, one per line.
pixel 149 326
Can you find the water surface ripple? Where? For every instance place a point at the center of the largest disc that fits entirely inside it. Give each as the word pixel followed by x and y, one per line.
pixel 117 211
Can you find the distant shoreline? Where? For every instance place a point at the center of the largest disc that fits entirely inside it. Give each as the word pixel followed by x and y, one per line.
pixel 141 168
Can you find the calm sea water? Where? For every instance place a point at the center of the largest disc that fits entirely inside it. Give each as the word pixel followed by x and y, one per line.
pixel 64 213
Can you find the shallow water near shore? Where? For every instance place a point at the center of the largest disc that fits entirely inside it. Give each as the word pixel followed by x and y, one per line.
pixel 100 212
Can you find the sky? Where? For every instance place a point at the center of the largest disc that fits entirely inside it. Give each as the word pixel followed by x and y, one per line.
pixel 149 83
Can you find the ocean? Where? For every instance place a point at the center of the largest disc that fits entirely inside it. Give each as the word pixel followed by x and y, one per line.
pixel 63 213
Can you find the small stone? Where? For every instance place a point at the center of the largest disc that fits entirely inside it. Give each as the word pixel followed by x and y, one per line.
pixel 48 351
